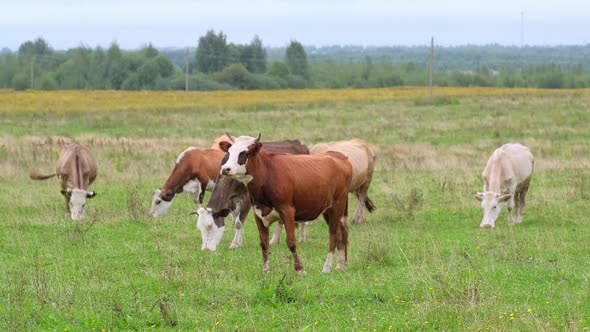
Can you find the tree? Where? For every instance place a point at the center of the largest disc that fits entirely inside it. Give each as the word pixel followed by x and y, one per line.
pixel 253 56
pixel 296 60
pixel 212 52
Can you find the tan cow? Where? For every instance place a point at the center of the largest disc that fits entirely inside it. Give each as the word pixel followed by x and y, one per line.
pixel 76 169
pixel 361 156
pixel 506 178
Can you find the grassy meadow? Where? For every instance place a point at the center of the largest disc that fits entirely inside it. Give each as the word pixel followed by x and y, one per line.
pixel 421 262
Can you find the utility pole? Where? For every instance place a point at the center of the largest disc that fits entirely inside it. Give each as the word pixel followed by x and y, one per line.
pixel 186 71
pixel 32 71
pixel 430 69
pixel 521 29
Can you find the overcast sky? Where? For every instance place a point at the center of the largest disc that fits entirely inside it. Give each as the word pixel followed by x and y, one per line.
pixel 179 23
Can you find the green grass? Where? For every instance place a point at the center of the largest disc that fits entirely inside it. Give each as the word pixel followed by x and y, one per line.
pixel 420 263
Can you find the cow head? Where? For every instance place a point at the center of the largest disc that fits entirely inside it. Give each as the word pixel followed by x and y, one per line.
pixel 76 201
pixel 490 202
pixel 161 202
pixel 211 233
pixel 238 153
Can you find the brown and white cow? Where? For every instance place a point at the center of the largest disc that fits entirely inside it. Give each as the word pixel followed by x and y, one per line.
pixel 293 188
pixel 76 169
pixel 506 178
pixel 194 172
pixel 231 196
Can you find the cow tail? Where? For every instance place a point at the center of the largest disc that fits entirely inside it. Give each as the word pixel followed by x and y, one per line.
pixel 37 176
pixel 369 205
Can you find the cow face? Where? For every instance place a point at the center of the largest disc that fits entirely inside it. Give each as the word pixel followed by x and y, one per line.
pixel 161 202
pixel 237 157
pixel 490 202
pixel 77 200
pixel 211 234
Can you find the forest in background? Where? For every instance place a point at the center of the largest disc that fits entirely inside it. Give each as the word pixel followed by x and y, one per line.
pixel 215 64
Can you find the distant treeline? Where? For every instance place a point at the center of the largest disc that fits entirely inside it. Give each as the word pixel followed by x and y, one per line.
pixel 215 64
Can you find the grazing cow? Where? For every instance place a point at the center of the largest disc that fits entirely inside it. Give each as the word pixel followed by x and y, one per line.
pixel 231 196
pixel 228 196
pixel 76 170
pixel 194 172
pixel 293 188
pixel 506 178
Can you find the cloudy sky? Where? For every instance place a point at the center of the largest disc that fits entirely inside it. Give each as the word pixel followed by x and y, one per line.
pixel 179 23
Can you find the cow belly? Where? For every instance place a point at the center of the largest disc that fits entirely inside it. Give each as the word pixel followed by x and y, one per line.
pixel 268 219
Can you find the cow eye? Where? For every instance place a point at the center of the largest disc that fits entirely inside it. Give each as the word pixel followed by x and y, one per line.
pixel 494 207
pixel 242 157
pixel 158 201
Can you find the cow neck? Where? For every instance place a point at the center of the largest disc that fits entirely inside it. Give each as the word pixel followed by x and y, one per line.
pixel 495 179
pixel 257 167
pixel 181 174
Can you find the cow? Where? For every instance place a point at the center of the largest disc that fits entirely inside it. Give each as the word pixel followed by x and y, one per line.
pixel 76 169
pixel 293 188
pixel 228 196
pixel 231 196
pixel 506 178
pixel 195 172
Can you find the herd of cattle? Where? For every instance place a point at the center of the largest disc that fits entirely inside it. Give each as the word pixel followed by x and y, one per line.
pixel 285 182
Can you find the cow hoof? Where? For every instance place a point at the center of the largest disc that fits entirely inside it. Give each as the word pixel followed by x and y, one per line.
pixel 204 249
pixel 301 273
pixel 486 226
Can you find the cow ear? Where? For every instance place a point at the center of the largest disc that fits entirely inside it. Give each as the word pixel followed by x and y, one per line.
pixel 224 146
pixel 63 192
pixel 504 198
pixel 478 196
pixel 90 194
pixel 254 148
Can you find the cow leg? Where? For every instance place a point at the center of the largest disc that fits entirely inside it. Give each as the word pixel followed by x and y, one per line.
pixel 303 232
pixel 238 237
pixel 287 215
pixel 276 236
pixel 510 204
pixel 342 217
pixel 200 195
pixel 521 200
pixel 361 196
pixel 263 235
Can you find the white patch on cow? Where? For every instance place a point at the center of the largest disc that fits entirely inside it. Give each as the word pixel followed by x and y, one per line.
pixel 159 206
pixel 192 187
pixel 270 218
pixel 77 202
pixel 328 264
pixel 210 184
pixel 231 166
pixel 180 156
pixel 210 234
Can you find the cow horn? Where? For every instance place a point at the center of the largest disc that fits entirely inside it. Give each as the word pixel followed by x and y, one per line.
pixel 258 139
pixel 193 213
pixel 231 138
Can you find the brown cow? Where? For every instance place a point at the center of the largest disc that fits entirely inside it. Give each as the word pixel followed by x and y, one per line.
pixel 230 195
pixel 293 188
pixel 76 170
pixel 194 172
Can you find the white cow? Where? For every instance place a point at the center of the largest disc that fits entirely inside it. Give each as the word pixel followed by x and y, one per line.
pixel 506 178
